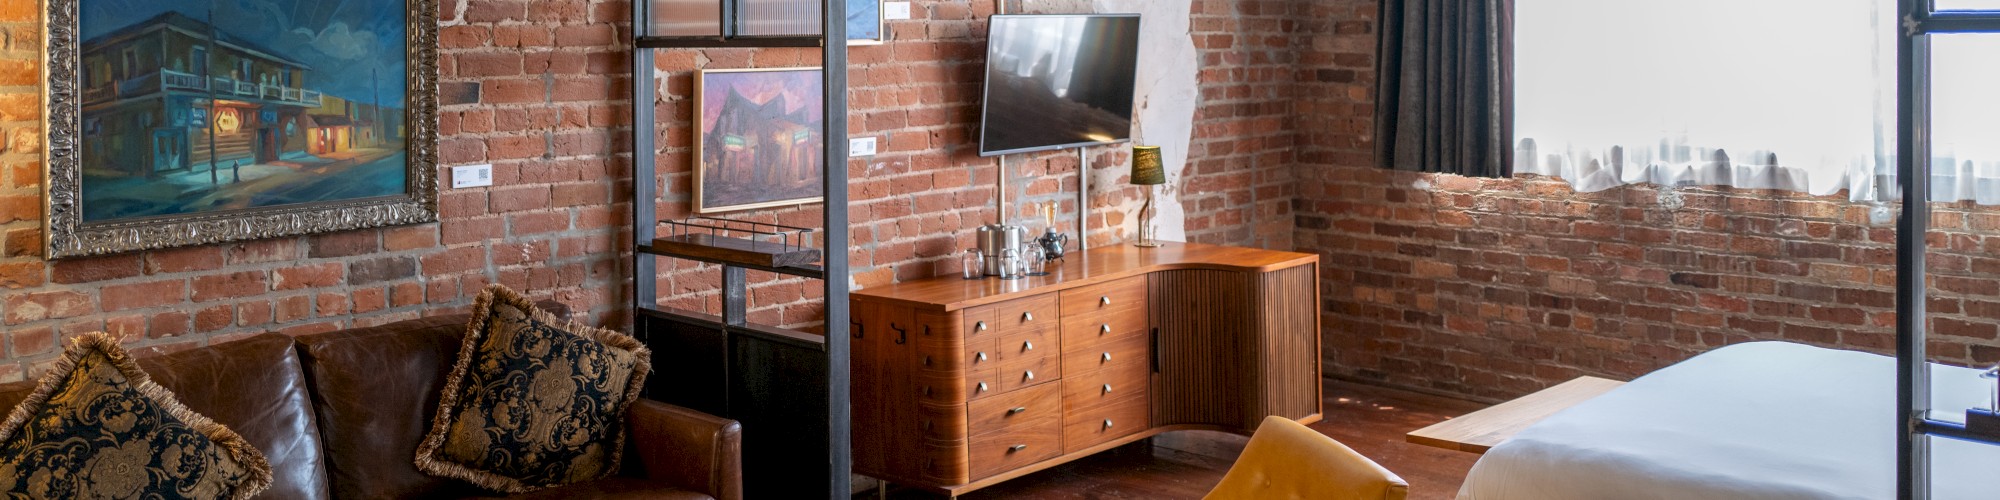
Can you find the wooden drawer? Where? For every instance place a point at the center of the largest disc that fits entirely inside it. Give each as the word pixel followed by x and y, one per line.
pixel 1118 380
pixel 1027 313
pixel 1020 372
pixel 1019 446
pixel 1029 343
pixel 1087 427
pixel 999 413
pixel 1102 297
pixel 1082 328
pixel 980 321
pixel 1129 347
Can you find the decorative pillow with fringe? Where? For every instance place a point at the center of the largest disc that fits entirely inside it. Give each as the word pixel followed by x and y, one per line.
pixel 98 427
pixel 533 401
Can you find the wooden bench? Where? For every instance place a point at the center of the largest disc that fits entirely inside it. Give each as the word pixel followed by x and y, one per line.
pixel 1482 430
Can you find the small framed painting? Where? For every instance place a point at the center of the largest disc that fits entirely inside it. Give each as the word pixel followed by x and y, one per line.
pixel 759 138
pixel 864 22
pixel 188 122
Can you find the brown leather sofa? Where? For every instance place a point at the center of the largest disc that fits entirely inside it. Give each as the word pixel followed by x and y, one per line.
pixel 339 415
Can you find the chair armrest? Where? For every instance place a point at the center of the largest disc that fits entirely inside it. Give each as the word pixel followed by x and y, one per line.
pixel 688 449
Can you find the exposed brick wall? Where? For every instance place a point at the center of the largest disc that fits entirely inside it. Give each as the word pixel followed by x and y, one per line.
pixel 1495 288
pixel 532 87
pixel 537 88
pixel 915 204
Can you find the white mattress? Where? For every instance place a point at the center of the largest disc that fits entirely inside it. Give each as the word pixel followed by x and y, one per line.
pixel 1767 420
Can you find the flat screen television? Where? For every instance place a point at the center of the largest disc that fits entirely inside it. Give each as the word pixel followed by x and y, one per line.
pixel 1058 81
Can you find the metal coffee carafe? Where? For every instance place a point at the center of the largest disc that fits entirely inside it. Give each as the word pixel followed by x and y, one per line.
pixel 997 238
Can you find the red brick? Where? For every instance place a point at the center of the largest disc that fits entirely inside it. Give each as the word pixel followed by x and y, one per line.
pixel 141 295
pixel 308 276
pixel 232 285
pixel 207 258
pixel 32 341
pixel 345 244
pixel 167 324
pixel 367 300
pixel 93 269
pixel 38 306
pixel 293 308
pixel 214 318
pixel 253 313
pixel 410 238
pixel 331 304
pixel 21 274
pixel 406 294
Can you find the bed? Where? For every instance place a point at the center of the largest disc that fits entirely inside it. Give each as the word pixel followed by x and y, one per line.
pixel 1765 420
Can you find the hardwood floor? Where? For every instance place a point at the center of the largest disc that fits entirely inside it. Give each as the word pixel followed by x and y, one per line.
pixel 1371 420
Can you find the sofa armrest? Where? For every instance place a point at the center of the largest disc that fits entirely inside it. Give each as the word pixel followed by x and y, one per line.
pixel 688 449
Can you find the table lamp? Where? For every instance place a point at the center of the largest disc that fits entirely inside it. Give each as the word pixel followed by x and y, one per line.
pixel 1147 171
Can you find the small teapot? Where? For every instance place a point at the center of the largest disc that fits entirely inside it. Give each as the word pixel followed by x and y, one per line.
pixel 1052 243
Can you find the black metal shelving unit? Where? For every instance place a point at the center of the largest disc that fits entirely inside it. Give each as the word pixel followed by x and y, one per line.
pixel 1917 22
pixel 788 388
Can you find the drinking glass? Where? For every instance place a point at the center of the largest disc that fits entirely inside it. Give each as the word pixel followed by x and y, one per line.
pixel 975 264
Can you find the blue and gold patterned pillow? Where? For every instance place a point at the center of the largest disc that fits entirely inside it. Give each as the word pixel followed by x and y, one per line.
pixel 98 427
pixel 533 401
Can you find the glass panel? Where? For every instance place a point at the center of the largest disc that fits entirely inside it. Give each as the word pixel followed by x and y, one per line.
pixel 687 17
pixel 778 17
pixel 1965 139
pixel 1968 4
pixel 1963 310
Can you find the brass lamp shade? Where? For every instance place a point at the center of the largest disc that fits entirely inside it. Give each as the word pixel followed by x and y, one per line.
pixel 1147 169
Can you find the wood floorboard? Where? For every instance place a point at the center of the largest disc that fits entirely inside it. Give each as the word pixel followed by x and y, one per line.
pixel 1372 420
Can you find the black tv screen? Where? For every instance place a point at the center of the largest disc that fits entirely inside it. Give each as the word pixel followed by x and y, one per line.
pixel 1058 81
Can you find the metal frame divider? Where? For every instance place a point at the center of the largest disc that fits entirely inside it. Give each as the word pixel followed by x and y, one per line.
pixel 733 325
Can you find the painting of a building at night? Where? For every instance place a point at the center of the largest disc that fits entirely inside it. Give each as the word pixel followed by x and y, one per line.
pixel 762 138
pixel 192 106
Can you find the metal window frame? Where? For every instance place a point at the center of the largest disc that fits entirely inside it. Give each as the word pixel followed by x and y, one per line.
pixel 1918 20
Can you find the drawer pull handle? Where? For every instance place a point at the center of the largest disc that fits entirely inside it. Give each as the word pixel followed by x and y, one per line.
pixel 1028 345
pixel 1104 330
pixel 1107 423
pixel 979 357
pixel 1107 357
pixel 982 387
pixel 1027 316
pixel 979 327
pixel 927 360
pixel 1030 374
pixel 1017 409
pixel 927 390
pixel 1016 448
pixel 1104 300
pixel 1107 388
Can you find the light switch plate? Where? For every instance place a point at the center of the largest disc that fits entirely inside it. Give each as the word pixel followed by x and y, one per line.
pixel 861 146
pixel 471 176
pixel 893 11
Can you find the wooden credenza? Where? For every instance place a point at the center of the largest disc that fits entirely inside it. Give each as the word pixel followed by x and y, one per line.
pixel 960 384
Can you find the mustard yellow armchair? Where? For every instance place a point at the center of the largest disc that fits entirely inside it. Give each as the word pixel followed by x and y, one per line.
pixel 1286 460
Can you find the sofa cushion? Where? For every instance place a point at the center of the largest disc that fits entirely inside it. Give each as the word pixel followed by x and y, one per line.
pixel 256 388
pixel 97 426
pixel 533 401
pixel 373 391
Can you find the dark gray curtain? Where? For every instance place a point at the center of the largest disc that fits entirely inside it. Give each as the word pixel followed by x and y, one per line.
pixel 1445 98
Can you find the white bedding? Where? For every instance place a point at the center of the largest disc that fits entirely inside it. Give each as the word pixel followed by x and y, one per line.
pixel 1767 420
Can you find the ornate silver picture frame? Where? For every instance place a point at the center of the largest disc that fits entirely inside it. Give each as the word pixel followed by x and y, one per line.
pixel 177 123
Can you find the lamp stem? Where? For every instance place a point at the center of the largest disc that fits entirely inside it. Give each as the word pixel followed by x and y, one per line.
pixel 1146 237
